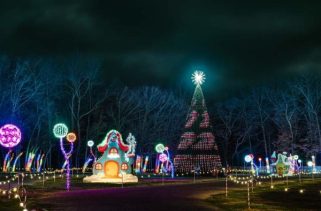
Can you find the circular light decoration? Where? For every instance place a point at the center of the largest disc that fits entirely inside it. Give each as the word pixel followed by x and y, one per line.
pixel 60 130
pixel 198 77
pixel 159 148
pixel 310 163
pixel 71 137
pixel 90 143
pixel 10 135
pixel 163 157
pixel 248 158
pixel 300 161
pixel 296 157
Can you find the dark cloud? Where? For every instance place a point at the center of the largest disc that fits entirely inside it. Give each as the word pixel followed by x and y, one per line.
pixel 237 43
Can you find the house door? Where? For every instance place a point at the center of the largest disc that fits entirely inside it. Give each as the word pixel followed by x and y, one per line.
pixel 111 169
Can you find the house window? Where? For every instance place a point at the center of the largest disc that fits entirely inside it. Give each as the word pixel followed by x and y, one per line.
pixel 98 166
pixel 124 166
pixel 113 151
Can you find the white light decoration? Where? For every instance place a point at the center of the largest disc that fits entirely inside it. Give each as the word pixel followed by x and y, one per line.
pixel 160 148
pixel 90 143
pixel 248 158
pixel 198 77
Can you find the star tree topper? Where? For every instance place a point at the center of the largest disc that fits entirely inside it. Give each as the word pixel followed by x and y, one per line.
pixel 198 77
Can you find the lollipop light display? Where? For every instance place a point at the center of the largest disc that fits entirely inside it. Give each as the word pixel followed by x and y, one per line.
pixel 10 136
pixel 60 131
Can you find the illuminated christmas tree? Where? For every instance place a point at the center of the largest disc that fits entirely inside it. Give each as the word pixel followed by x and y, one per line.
pixel 197 149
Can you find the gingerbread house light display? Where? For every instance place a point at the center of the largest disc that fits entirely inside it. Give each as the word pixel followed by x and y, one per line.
pixel 115 164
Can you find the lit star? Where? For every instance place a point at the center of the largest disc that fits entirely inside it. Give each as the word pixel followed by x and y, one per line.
pixel 198 77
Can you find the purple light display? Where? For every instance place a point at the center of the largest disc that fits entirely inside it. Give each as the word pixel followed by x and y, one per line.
pixel 163 157
pixel 67 155
pixel 10 136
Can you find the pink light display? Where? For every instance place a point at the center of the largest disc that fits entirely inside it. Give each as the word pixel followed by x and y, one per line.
pixel 10 136
pixel 163 157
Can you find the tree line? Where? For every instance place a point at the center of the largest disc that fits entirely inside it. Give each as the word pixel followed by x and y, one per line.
pixel 36 93
pixel 282 117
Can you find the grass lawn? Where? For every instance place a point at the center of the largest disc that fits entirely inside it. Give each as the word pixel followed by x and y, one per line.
pixel 36 191
pixel 262 197
pixel 9 204
pixel 265 198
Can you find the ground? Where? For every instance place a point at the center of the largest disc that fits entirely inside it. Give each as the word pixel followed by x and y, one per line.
pixel 178 194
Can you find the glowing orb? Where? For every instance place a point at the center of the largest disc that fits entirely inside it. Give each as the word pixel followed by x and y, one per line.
pixel 163 157
pixel 296 157
pixel 90 143
pixel 71 137
pixel 310 163
pixel 160 148
pixel 198 77
pixel 60 130
pixel 10 135
pixel 248 158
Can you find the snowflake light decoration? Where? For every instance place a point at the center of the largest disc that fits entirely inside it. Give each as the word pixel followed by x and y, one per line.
pixel 198 77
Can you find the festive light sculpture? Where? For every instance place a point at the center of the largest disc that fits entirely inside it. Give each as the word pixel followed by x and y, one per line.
pixel 260 161
pixel 267 165
pixel 159 148
pixel 29 160
pixel 15 162
pixel 86 164
pixel 10 135
pixel 197 148
pixel 71 137
pixel 39 162
pixel 164 159
pixel 309 163
pixel 90 144
pixel 198 77
pixel 249 159
pixel 138 164
pixel 115 164
pixel 145 164
pixel 7 160
pixel 313 164
pixel 60 131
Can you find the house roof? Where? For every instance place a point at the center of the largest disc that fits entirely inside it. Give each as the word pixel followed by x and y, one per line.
pixel 102 147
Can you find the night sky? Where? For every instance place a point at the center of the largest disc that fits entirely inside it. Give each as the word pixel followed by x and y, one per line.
pixel 238 44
